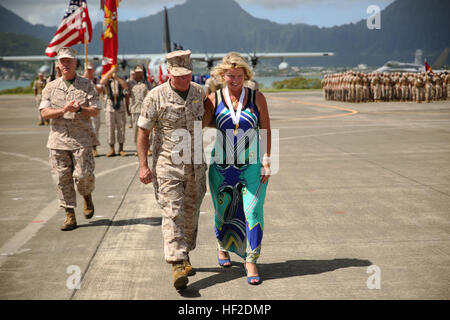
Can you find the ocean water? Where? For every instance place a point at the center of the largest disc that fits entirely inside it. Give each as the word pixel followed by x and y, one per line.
pixel 4 84
pixel 267 81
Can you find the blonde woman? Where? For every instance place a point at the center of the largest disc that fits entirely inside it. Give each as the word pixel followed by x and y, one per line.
pixel 239 170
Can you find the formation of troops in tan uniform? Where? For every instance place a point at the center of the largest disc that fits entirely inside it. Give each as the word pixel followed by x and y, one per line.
pixel 359 87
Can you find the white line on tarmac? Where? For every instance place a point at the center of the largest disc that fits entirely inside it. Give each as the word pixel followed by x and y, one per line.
pixel 315 155
pixel 104 173
pixel 366 124
pixel 336 133
pixel 13 245
pixel 24 156
pixel 20 133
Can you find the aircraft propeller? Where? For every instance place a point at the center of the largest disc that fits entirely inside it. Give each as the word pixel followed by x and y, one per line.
pixel 253 59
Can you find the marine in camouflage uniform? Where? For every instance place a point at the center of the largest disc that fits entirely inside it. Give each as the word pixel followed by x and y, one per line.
pixel 138 90
pixel 412 87
pixel 38 86
pixel 252 84
pixel 446 86
pixel 437 87
pixel 376 84
pixel 96 123
pixel 366 90
pixel 404 88
pixel 419 88
pixel 352 87
pixel 131 81
pixel 387 87
pixel 178 170
pixel 428 87
pixel 358 88
pixel 69 102
pixel 117 103
pixel 211 85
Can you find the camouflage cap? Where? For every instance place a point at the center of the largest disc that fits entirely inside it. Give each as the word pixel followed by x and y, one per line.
pixel 67 52
pixel 138 68
pixel 89 65
pixel 179 62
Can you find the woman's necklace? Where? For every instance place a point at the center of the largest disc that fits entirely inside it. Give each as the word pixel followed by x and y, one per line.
pixel 235 116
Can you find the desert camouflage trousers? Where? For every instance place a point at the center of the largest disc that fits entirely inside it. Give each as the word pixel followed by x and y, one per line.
pixel 180 202
pixel 96 123
pixel 68 166
pixel 115 121
pixel 419 93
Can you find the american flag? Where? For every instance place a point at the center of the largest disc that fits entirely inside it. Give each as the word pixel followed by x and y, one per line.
pixel 74 29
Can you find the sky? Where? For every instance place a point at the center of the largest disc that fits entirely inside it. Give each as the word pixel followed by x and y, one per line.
pixel 322 13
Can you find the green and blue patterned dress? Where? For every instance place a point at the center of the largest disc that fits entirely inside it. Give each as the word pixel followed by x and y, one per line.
pixel 235 180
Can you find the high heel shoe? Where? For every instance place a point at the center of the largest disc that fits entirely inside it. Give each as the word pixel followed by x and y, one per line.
pixel 249 279
pixel 222 262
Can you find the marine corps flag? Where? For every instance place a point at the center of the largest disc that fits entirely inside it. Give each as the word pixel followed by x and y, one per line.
pixel 109 36
pixel 427 67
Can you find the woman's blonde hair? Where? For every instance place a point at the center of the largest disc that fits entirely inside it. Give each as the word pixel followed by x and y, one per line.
pixel 232 60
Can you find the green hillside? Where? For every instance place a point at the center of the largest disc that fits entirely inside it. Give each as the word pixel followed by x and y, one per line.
pixel 208 26
pixel 18 44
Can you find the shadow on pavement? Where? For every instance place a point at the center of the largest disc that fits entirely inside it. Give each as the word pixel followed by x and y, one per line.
pixel 269 271
pixel 151 221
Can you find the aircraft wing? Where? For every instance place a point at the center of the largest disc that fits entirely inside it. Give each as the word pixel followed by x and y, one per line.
pixel 194 56
pixel 91 57
pixel 258 55
pixel 282 55
pixel 25 58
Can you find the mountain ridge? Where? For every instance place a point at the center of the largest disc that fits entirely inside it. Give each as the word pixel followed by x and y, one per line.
pixel 222 26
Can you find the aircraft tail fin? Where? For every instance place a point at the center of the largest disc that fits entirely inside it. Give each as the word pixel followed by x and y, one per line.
pixel 418 57
pixel 440 61
pixel 167 46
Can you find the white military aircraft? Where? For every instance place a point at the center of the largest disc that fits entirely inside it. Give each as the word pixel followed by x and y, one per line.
pixel 156 62
pixel 416 66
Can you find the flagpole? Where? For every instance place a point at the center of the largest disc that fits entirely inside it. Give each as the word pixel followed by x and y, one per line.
pixel 85 54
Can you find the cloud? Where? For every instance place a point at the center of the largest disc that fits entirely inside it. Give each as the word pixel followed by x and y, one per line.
pixel 292 4
pixel 50 12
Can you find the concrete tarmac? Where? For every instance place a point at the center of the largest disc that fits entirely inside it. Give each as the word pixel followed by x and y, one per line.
pixel 359 209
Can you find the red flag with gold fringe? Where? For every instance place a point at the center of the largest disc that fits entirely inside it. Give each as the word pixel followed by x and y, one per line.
pixel 110 36
pixel 427 67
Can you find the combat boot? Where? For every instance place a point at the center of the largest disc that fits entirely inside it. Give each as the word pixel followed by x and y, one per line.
pixel 111 152
pixel 88 207
pixel 71 222
pixel 180 279
pixel 188 268
pixel 94 152
pixel 121 152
